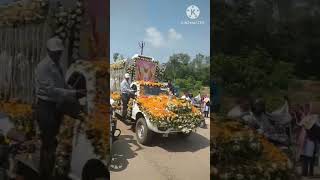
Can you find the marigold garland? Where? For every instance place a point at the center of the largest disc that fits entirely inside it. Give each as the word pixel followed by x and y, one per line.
pixel 100 67
pixel 98 130
pixel 64 148
pixel 19 13
pixel 118 65
pixel 162 116
pixel 19 113
pixel 238 151
pixel 164 111
pixel 130 107
pixel 117 98
pixel 153 84
pixel 97 122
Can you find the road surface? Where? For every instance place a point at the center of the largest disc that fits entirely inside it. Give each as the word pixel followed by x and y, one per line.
pixel 169 158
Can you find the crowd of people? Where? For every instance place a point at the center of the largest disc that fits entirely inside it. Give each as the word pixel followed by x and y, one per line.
pixel 308 138
pixel 299 123
pixel 200 101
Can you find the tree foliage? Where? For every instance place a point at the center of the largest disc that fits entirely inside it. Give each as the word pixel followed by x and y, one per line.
pixel 286 30
pixel 117 56
pixel 190 75
pixel 254 73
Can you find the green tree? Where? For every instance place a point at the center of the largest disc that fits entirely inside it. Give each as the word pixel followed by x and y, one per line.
pixel 189 75
pixel 251 74
pixel 287 32
pixel 117 56
pixel 177 67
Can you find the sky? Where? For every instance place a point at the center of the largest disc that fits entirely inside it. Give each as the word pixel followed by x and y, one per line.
pixel 158 23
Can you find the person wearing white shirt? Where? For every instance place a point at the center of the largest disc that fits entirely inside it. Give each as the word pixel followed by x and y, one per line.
pixel 51 92
pixel 126 94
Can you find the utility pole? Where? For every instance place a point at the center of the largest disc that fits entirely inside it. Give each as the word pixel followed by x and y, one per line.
pixel 141 45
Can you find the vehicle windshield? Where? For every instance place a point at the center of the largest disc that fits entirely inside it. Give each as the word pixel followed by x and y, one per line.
pixel 154 91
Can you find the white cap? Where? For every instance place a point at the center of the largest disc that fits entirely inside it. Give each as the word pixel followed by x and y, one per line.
pixel 127 75
pixel 55 44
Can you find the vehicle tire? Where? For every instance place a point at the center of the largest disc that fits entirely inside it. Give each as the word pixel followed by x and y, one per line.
pixel 184 135
pixel 143 133
pixel 94 169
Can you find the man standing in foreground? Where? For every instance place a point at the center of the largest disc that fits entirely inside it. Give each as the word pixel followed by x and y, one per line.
pixel 51 92
pixel 126 94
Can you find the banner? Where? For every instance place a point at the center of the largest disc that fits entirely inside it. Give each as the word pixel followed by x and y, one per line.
pixel 145 71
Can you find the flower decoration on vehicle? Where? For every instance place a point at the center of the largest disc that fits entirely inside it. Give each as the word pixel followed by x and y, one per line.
pixel 179 106
pixel 117 98
pixel 97 121
pixel 130 107
pixel 118 65
pixel 60 18
pixel 95 67
pixel 67 24
pixel 102 68
pixel 117 104
pixel 161 71
pixel 156 107
pixel 237 151
pixel 75 24
pixel 130 69
pixel 153 84
pixel 64 148
pixel 68 21
pixel 20 114
pixel 98 128
pixel 21 13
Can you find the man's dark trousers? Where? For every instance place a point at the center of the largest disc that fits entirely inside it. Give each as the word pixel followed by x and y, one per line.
pixel 125 100
pixel 49 120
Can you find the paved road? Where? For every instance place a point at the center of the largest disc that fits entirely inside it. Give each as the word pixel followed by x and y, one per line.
pixel 169 158
pixel 316 174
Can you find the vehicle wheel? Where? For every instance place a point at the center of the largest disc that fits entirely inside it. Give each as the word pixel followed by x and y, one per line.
pixel 94 169
pixel 184 135
pixel 143 133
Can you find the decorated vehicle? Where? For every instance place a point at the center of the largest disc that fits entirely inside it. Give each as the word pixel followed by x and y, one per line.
pixel 154 109
pixel 79 142
pixel 239 152
pixel 92 139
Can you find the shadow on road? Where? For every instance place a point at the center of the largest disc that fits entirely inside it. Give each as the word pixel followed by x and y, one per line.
pixel 122 151
pixel 175 143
